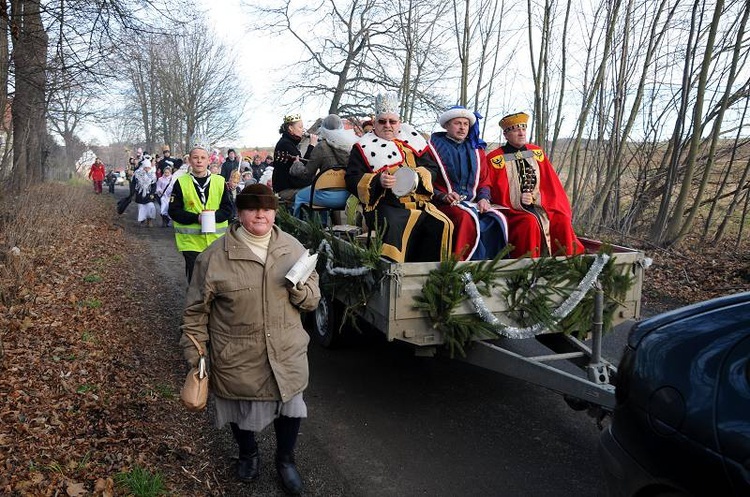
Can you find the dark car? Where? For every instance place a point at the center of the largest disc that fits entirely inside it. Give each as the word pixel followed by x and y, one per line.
pixel 681 426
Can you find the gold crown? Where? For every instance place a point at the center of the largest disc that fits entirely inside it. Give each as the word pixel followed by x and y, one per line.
pixel 292 118
pixel 512 121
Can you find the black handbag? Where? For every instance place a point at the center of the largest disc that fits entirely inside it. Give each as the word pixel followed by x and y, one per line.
pixel 123 204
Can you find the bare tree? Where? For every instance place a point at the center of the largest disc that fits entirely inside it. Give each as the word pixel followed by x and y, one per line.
pixel 415 55
pixel 676 228
pixel 341 43
pixel 193 92
pixel 174 89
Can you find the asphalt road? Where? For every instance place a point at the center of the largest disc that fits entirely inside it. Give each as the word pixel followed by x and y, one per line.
pixel 385 423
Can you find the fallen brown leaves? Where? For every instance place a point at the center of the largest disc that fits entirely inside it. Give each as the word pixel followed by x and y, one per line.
pixel 694 273
pixel 91 373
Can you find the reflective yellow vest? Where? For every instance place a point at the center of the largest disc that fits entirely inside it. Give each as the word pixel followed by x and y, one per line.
pixel 188 237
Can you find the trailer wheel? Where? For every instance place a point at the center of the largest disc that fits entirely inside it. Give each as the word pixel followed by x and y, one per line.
pixel 326 323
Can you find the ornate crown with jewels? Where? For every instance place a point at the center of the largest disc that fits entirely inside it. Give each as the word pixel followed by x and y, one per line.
pixel 386 103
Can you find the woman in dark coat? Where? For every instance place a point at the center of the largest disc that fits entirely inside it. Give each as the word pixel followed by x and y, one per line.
pixel 285 184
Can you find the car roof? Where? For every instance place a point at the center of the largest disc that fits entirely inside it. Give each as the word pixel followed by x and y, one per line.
pixel 645 327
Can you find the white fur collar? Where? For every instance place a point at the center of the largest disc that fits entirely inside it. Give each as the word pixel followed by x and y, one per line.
pixel 381 153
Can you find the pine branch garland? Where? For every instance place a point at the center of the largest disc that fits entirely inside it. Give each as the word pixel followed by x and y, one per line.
pixel 532 294
pixel 354 292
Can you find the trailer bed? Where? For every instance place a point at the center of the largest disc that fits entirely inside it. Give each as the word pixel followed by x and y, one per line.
pixel 391 308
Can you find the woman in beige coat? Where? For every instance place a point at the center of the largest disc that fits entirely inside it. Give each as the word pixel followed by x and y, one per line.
pixel 240 305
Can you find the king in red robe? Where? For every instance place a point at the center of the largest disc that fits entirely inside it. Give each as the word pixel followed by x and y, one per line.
pixel 524 181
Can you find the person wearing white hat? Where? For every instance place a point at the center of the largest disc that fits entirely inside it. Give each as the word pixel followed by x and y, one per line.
pixel 463 189
pixel 536 205
pixel 144 180
pixel 391 172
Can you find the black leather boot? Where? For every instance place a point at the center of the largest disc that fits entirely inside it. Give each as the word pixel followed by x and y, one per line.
pixel 248 467
pixel 291 481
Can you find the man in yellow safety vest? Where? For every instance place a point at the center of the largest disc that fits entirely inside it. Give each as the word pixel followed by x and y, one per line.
pixel 200 206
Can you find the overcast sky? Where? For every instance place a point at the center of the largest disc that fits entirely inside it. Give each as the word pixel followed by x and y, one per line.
pixel 260 56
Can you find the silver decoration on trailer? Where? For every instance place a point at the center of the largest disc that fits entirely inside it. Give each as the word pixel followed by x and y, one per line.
pixel 558 314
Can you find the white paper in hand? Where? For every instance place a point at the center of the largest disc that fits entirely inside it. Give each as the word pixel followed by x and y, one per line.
pixel 302 269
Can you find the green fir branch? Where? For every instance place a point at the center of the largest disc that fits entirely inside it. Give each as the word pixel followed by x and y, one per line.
pixel 532 292
pixel 354 292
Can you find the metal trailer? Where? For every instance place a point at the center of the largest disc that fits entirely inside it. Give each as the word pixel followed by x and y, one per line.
pixel 586 385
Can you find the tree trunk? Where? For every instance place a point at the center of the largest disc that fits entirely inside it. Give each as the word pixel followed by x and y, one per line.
pixel 677 228
pixel 29 104
pixel 4 70
pixel 659 227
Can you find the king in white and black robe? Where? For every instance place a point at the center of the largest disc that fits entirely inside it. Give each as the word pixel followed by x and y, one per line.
pixel 414 230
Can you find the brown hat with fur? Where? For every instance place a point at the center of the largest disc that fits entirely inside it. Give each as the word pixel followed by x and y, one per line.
pixel 257 196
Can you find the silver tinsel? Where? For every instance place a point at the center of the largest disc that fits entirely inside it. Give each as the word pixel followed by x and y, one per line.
pixel 558 314
pixel 344 271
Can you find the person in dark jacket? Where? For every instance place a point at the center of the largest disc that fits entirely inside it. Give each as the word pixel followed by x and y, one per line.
pixel 230 164
pixel 167 161
pixel 257 167
pixel 111 180
pixel 285 184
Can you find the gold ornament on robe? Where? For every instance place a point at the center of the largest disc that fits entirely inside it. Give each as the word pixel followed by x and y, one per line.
pixel 498 162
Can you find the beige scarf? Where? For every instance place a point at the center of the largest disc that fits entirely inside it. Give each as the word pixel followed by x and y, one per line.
pixel 258 244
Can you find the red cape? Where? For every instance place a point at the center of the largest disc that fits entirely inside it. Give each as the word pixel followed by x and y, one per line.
pixel 524 230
